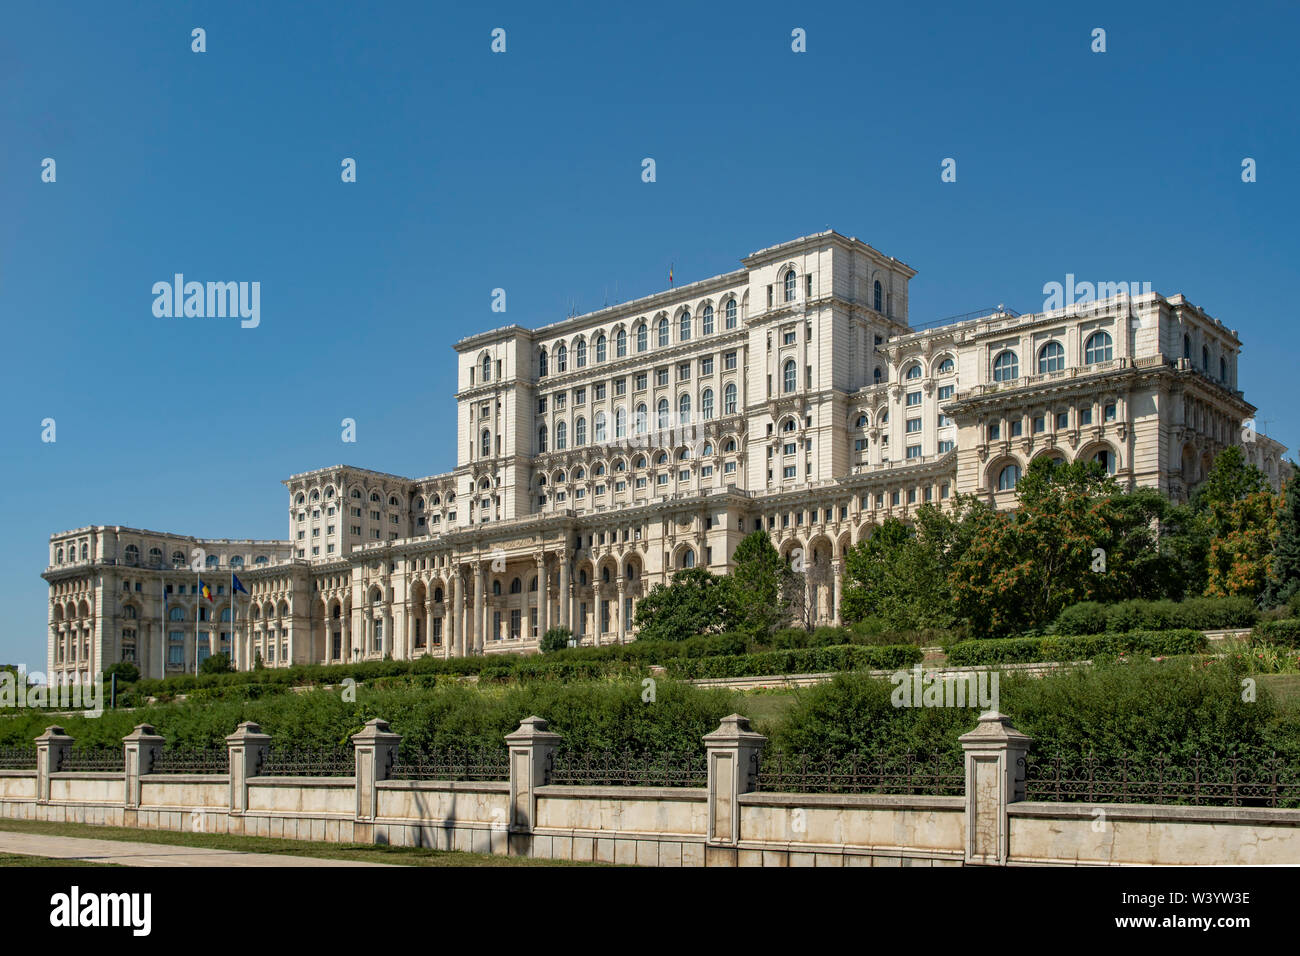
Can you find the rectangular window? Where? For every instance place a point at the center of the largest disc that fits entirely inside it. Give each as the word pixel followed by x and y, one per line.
pixel 1085 416
pixel 706 366
pixel 706 471
pixel 640 483
pixel 729 468
pixel 580 396
pixel 911 496
pixel 1040 423
pixel 945 392
pixel 946 446
pixel 788 471
pixel 684 475
pixel 787 337
pixel 1110 412
pixel 995 431
pixel 860 444
pixel 913 451
pixel 600 392
pixel 661 376
pixel 620 386
pixel 684 372
pixel 541 405
pixel 662 479
pixel 788 449
pixel 913 425
pixel 1062 419
pixel 729 361
pixel 893 498
pixel 944 420
pixel 1016 428
pixel 913 398
pixel 640 381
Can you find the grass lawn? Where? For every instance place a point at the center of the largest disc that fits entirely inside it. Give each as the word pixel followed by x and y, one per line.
pixel 16 859
pixel 362 852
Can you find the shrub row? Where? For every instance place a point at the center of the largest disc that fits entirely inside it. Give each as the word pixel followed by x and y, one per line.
pixel 1285 633
pixel 813 660
pixel 1024 650
pixel 1204 614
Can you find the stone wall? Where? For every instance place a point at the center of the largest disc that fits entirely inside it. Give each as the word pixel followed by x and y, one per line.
pixel 729 822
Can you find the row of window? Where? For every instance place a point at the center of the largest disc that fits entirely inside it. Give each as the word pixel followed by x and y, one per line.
pixel 642 332
pixel 640 421
pixel 1099 347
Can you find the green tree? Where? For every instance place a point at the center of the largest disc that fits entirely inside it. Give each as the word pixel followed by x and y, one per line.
pixel 1284 575
pixel 215 664
pixel 555 639
pixel 1240 513
pixel 761 585
pixel 695 602
pixel 127 673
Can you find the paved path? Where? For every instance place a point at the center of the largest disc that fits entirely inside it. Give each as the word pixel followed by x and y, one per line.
pixel 149 854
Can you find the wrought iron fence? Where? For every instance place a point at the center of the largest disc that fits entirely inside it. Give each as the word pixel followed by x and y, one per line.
pixel 1258 779
pixel 626 768
pixel 309 762
pixel 17 758
pixel 936 775
pixel 207 760
pixel 106 759
pixel 453 763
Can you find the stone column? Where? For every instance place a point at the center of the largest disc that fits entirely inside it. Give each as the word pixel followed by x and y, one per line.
pixel 479 628
pixel 390 634
pixel 247 746
pixel 837 588
pixel 375 748
pixel 995 777
pixel 459 582
pixel 543 597
pixel 428 625
pixel 565 596
pixel 733 754
pixel 50 748
pixel 140 747
pixel 620 609
pixel 532 750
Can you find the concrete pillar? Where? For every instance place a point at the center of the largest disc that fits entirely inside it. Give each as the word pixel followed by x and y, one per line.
pixel 50 749
pixel 619 610
pixel 428 625
pixel 479 628
pixel 375 748
pixel 565 595
pixel 995 777
pixel 390 642
pixel 459 582
pixel 543 597
pixel 733 754
pixel 247 747
pixel 532 751
pixel 140 748
pixel 837 588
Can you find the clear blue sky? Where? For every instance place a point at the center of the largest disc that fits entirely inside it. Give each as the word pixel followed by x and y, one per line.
pixel 522 171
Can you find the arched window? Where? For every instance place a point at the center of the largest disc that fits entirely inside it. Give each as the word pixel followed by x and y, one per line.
pixel 731 313
pixel 485 444
pixel 1051 358
pixel 913 372
pixel 178 559
pixel 684 327
pixel 225 615
pixel 582 353
pixel 688 558
pixel 684 410
pixel 663 332
pixel 1008 477
pixel 561 358
pixel 641 337
pixel 261 559
pixel 1006 367
pixel 862 421
pixel 640 462
pixel 496 588
pixel 1223 369
pixel 663 413
pixel 541 440
pixel 130 612
pixel 706 405
pixel 580 432
pixel 600 347
pixel 620 343
pixel 706 321
pixel 641 421
pixel 1187 347
pixel 487 367
pixel 788 377
pixel 730 446
pixel 946 367
pixel 237 561
pixel 561 435
pixel 516 586
pixel 212 561
pixel 132 554
pixel 788 425
pixel 729 399
pixel 541 364
pixel 879 296
pixel 1205 360
pixel 176 614
pixel 876 375
pixel 58 556
pixel 1098 348
pixel 620 422
pixel 1106 458
pixel 791 284
pixel 600 426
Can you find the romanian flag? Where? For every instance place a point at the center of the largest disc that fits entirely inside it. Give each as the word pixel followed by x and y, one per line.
pixel 205 590
pixel 670 274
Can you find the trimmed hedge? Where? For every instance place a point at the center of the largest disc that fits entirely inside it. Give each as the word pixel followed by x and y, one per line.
pixel 1284 633
pixel 1025 650
pixel 812 660
pixel 1204 614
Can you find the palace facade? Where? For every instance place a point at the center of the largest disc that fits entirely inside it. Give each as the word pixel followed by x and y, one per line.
pixel 598 455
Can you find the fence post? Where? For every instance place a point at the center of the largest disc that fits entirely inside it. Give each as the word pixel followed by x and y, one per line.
pixel 140 748
pixel 50 749
pixel 375 746
pixel 532 752
pixel 247 747
pixel 995 777
pixel 733 754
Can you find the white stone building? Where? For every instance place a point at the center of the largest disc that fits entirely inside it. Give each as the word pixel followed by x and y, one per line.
pixel 598 455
